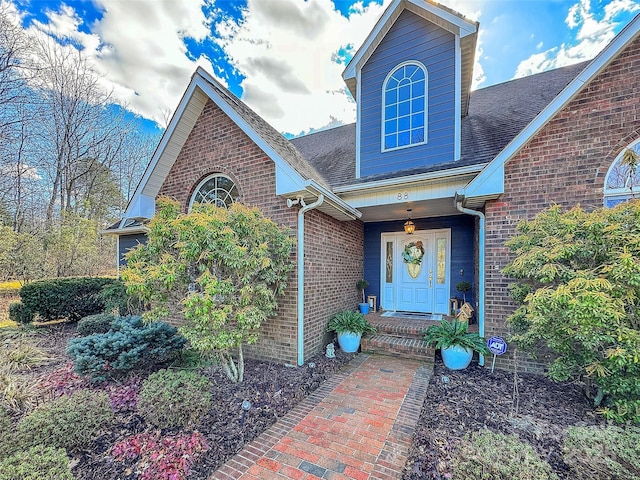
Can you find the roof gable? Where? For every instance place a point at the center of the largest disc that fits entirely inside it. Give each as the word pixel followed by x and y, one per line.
pixel 490 182
pixel 466 30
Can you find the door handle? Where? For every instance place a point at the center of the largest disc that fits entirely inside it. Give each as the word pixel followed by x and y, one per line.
pixel 431 278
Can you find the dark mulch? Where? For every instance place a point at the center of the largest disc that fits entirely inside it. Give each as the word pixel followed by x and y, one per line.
pixel 460 402
pixel 272 389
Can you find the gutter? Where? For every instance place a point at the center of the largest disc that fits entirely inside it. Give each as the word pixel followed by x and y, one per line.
pixel 300 255
pixel 481 266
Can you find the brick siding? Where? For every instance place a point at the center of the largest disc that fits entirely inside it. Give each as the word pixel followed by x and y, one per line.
pixel 333 249
pixel 566 164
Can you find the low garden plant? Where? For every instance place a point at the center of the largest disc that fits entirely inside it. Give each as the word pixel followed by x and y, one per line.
pixel 130 344
pixel 609 453
pixel 488 455
pixel 7 444
pixel 171 399
pixel 36 463
pixel 68 422
pixel 350 321
pixel 169 457
pixel 98 323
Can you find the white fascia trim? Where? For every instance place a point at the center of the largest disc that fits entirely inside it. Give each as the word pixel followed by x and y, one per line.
pixel 175 120
pixel 421 177
pixel 496 166
pixel 352 67
pixel 458 99
pixel 124 231
pixel 358 121
pixel 333 200
pixel 463 26
pixel 287 169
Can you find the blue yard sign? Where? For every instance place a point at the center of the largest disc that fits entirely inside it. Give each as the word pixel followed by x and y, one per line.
pixel 497 346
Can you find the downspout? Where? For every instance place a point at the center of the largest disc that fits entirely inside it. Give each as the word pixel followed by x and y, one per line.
pixel 300 302
pixel 481 262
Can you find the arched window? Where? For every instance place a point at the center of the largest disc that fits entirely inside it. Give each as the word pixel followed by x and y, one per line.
pixel 404 98
pixel 216 189
pixel 621 182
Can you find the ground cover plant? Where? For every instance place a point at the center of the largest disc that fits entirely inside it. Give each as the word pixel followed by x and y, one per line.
pixel 127 446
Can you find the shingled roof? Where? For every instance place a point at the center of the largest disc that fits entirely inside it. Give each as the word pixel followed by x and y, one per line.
pixel 496 115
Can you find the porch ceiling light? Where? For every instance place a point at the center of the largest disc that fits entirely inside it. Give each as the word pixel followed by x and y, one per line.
pixel 409 226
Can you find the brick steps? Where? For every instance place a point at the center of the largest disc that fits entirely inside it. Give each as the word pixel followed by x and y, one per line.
pixel 398 338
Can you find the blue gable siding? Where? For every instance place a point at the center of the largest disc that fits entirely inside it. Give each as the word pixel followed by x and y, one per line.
pixel 410 38
pixel 126 243
pixel 462 249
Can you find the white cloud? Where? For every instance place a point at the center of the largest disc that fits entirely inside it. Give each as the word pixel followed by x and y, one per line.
pixel 591 37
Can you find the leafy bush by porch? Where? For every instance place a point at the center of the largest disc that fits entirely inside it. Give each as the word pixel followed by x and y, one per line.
pixel 578 286
pixel 36 463
pixel 222 268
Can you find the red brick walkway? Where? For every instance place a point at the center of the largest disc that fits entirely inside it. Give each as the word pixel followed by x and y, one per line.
pixel 359 424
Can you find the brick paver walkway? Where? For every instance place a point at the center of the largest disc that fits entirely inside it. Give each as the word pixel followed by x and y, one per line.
pixel 357 425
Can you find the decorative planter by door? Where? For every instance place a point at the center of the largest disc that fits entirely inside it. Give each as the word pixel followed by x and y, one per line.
pixel 456 357
pixel 364 308
pixel 349 342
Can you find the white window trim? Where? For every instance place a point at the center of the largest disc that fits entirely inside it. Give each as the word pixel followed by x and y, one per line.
pixel 205 180
pixel 609 193
pixel 426 105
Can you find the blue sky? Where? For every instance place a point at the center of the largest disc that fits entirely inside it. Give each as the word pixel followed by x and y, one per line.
pixel 285 57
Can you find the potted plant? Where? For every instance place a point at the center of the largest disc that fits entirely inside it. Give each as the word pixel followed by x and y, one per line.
pixel 361 285
pixel 456 343
pixel 463 287
pixel 349 327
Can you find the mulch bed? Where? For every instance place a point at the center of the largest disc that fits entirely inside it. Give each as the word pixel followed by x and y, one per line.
pixel 272 389
pixel 460 402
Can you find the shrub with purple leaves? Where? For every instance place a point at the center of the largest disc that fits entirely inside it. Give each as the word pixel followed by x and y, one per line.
pixel 129 344
pixel 62 381
pixel 124 396
pixel 159 457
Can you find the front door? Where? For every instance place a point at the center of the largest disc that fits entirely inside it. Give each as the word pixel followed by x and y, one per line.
pixel 415 276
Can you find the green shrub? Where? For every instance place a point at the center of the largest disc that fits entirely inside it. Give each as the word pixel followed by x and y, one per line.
pixel 495 456
pixel 19 313
pixel 91 324
pixel 36 463
pixel 7 445
pixel 578 286
pixel 609 453
pixel 174 398
pixel 128 345
pixel 71 298
pixel 116 298
pixel 68 422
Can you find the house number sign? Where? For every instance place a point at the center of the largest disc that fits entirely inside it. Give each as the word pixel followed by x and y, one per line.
pixel 403 195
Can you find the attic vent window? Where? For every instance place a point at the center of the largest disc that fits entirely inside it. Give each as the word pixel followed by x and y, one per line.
pixel 622 181
pixel 216 189
pixel 405 107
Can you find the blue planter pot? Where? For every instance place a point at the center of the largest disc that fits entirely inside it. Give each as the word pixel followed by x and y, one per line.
pixel 456 357
pixel 364 308
pixel 349 342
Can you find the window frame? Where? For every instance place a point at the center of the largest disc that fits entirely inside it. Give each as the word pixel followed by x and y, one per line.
pixel 206 179
pixel 383 110
pixel 621 194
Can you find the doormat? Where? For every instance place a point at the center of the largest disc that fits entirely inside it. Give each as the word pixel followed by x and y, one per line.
pixel 414 315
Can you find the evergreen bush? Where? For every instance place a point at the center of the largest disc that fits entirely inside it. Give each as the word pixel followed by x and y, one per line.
pixel 128 345
pixel 174 398
pixel 19 313
pixel 494 456
pixel 70 298
pixel 36 463
pixel 609 453
pixel 92 324
pixel 7 445
pixel 68 422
